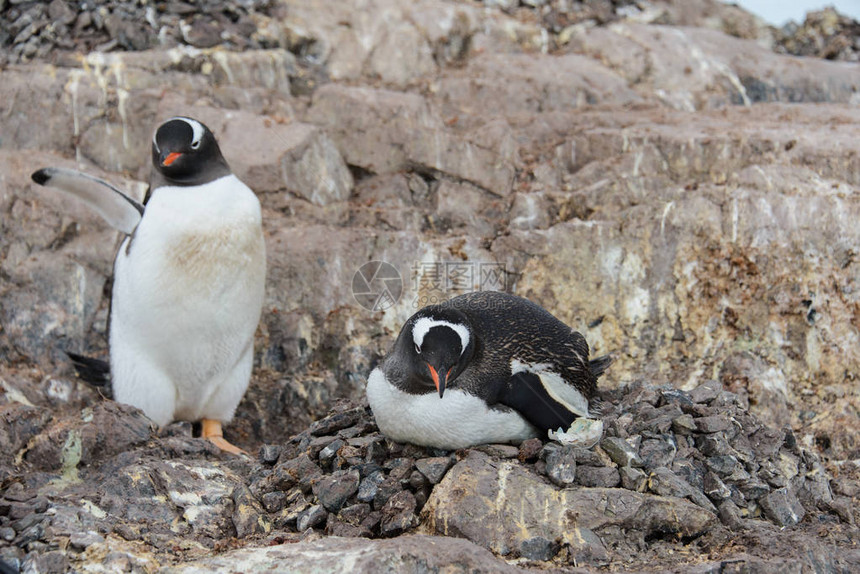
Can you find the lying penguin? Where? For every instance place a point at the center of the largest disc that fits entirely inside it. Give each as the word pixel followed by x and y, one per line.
pixel 485 367
pixel 188 281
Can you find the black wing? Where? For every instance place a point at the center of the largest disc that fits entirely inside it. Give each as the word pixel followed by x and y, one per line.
pixel 526 394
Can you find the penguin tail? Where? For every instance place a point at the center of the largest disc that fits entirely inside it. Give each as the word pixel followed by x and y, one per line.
pixel 95 372
pixel 599 365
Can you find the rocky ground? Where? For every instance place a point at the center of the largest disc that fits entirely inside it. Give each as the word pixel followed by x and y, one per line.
pixel 661 176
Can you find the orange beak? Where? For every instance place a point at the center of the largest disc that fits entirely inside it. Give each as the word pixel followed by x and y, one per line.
pixel 440 382
pixel 171 157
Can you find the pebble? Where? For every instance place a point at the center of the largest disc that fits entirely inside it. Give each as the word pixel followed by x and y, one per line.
pixel 632 478
pixel 561 466
pixel 530 450
pixel 398 514
pixel 598 476
pixel 369 486
pixel 538 548
pixel 311 518
pixel 434 468
pixel 782 507
pixel 713 424
pixel 684 425
pixel 723 464
pixel 656 453
pixel 621 452
pixel 269 453
pixel 715 488
pixel 334 490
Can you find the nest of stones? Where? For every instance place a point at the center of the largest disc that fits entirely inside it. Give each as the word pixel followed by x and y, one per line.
pixel 342 476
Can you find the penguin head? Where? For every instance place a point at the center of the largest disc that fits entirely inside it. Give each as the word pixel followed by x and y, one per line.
pixel 185 152
pixel 441 345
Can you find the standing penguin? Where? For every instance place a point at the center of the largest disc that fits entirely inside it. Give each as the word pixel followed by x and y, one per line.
pixel 188 281
pixel 483 367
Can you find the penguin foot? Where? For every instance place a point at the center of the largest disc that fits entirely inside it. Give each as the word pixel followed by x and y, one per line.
pixel 212 431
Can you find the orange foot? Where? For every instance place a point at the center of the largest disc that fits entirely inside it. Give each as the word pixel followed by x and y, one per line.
pixel 212 431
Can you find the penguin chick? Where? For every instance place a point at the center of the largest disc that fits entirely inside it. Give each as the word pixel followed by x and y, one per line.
pixel 485 367
pixel 188 281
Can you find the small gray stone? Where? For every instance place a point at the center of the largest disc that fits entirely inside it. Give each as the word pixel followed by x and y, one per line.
pixel 684 425
pixel 713 444
pixel 54 561
pixel 7 533
pixel 706 392
pixel 28 520
pixel 843 507
pixel 333 423
pixel 355 514
pixel 698 497
pixel 815 492
pixel 31 534
pixel 782 507
pixel 328 453
pixel 712 424
pixel 81 540
pixel 598 476
pixel 269 453
pixel 561 466
pixel 620 451
pixel 274 501
pixel 766 442
pixel 538 548
pixel 632 478
pixel 730 515
pixel 398 514
pixel 722 464
pixel 753 489
pixel 387 488
pixel 715 488
pixel 676 396
pixel 333 491
pixel 376 452
pixel 666 483
pixel 657 452
pixel 587 456
pixel 368 487
pixel 312 517
pixel 434 468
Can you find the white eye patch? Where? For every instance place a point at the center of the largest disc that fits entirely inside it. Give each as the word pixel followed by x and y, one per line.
pixel 423 325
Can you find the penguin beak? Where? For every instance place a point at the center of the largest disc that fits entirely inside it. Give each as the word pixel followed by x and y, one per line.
pixel 440 380
pixel 170 158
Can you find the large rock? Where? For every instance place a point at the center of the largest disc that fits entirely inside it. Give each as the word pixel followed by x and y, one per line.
pixel 695 68
pixel 500 506
pixel 407 555
pixel 383 131
pixel 512 84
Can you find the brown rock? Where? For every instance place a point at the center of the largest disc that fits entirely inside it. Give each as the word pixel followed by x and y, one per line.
pixel 459 506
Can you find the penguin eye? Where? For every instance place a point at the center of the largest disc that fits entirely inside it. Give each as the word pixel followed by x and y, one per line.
pixel 195 144
pixel 417 349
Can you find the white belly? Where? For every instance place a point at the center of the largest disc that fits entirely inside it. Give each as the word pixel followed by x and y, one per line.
pixel 455 421
pixel 187 297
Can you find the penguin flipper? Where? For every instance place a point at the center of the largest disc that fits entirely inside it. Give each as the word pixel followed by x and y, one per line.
pixel 93 371
pixel 526 394
pixel 119 210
